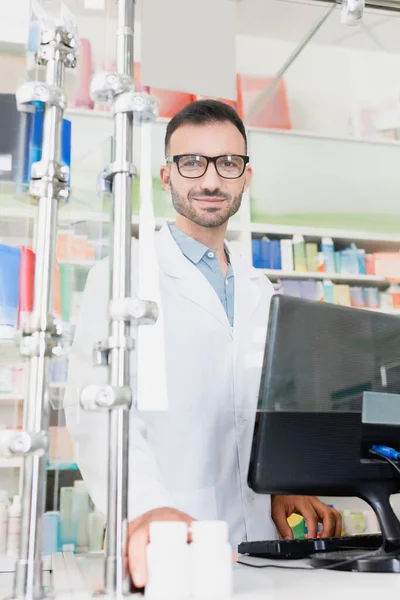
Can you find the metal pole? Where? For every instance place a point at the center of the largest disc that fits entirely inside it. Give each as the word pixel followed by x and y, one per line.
pixel 116 579
pixel 288 63
pixel 49 186
pixel 118 90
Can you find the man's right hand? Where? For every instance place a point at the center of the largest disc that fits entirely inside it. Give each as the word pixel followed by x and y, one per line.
pixel 138 538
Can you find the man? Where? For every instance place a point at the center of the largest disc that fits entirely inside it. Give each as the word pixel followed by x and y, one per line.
pixel 192 461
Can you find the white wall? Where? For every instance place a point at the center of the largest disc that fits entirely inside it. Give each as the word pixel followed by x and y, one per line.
pixel 326 84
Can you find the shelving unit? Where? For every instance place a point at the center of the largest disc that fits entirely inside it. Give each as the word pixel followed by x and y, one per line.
pixel 275 274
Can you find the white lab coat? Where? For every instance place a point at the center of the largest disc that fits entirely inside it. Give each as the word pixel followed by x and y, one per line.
pixel 194 457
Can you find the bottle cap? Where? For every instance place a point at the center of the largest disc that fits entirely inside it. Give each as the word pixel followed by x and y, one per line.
pixel 168 532
pixel 210 531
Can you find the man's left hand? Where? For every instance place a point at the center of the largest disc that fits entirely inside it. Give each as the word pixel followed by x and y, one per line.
pixel 313 510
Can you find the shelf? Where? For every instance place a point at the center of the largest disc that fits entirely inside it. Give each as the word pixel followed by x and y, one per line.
pixel 11 463
pixel 65 216
pixel 76 262
pixel 16 463
pixel 275 274
pixel 10 398
pixel 320 232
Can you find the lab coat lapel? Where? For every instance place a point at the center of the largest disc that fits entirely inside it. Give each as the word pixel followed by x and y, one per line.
pixel 185 276
pixel 248 293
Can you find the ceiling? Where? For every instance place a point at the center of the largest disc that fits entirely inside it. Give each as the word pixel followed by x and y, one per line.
pixel 288 20
pixel 291 20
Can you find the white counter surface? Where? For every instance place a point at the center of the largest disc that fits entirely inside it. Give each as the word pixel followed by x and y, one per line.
pixel 273 583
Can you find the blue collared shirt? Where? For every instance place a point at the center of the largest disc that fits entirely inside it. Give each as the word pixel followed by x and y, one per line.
pixel 206 261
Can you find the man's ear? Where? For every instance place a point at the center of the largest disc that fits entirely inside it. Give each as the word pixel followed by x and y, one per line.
pixel 165 176
pixel 248 175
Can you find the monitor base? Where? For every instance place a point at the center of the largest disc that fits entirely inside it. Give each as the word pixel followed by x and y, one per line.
pixel 375 562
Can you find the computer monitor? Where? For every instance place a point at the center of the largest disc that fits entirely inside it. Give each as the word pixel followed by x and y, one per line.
pixel 309 435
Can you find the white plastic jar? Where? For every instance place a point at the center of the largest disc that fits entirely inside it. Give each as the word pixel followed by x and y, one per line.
pixel 211 561
pixel 168 562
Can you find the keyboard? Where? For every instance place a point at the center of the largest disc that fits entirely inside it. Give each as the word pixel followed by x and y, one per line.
pixel 296 549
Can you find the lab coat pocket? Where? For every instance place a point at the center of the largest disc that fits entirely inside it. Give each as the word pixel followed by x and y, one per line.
pixel 200 504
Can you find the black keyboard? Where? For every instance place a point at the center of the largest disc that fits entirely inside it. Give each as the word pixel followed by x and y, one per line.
pixel 295 549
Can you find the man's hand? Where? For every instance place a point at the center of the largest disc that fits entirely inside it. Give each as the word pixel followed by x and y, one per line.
pixel 313 510
pixel 138 538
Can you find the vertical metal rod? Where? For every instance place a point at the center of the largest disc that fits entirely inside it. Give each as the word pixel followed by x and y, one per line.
pixel 116 579
pixel 28 576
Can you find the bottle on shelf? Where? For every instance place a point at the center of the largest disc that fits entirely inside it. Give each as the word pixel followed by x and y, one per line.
pixel 3 521
pixel 14 527
pixel 95 531
pixel 328 251
pixel 81 515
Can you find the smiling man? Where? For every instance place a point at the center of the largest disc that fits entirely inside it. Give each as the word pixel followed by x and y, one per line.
pixel 191 462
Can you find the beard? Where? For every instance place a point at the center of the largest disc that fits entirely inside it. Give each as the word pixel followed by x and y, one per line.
pixel 206 217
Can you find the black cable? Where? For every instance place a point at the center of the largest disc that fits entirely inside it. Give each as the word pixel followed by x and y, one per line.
pixel 341 563
pixel 389 460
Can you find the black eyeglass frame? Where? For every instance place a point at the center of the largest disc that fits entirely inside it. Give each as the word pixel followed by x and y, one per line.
pixel 210 159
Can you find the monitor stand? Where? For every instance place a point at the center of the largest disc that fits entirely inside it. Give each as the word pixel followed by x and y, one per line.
pixel 387 558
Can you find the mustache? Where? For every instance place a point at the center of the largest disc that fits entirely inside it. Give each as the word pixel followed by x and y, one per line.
pixel 206 193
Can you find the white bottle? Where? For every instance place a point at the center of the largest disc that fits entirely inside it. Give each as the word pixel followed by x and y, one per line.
pixel 211 561
pixel 14 527
pixel 168 562
pixel 95 531
pixel 80 508
pixel 3 521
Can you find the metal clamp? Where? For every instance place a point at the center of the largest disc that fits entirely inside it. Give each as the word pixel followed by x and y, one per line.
pixel 144 312
pixel 143 106
pixel 30 325
pixel 104 185
pixel 34 338
pixel 32 345
pixel 119 167
pixel 57 44
pixel 22 443
pixel 94 397
pixel 49 180
pixel 36 91
pixel 106 86
pixel 102 349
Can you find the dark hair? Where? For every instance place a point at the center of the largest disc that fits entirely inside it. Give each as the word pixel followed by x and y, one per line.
pixel 203 112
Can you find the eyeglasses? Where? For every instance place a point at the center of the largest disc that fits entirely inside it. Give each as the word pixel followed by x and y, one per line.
pixel 193 166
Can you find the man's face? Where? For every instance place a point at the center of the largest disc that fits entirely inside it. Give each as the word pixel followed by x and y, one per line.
pixel 210 200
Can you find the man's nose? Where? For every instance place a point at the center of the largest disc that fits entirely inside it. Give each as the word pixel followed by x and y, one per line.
pixel 210 180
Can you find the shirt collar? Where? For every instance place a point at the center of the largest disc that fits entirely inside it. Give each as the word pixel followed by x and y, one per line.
pixel 191 248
